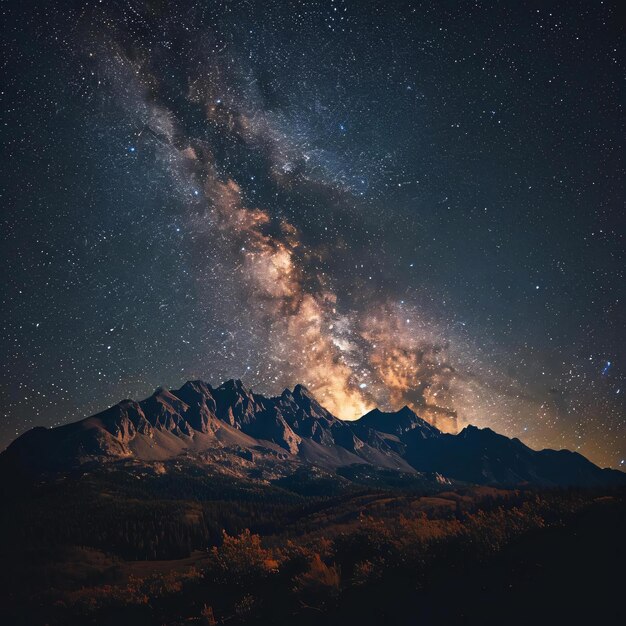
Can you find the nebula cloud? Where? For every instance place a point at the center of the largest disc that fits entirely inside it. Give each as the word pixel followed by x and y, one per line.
pixel 287 315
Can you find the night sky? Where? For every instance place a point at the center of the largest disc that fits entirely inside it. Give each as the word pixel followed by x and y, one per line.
pixel 393 203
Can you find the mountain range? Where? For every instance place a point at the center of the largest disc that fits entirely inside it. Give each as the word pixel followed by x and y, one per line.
pixel 238 431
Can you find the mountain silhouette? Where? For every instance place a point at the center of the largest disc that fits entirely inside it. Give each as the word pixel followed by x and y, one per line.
pixel 236 426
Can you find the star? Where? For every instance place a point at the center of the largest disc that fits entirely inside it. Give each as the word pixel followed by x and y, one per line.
pixel 258 195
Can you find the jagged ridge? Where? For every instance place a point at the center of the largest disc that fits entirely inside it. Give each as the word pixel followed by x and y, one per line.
pixel 200 419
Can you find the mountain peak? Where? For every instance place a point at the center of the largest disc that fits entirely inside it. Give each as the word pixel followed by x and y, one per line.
pixel 398 422
pixel 234 384
pixel 307 402
pixel 474 432
pixel 195 384
pixel 303 397
pixel 302 391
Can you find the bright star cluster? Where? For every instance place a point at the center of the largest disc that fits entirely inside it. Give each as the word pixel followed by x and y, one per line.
pixel 392 203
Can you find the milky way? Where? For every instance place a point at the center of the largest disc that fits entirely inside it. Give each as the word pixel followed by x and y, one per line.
pixel 398 204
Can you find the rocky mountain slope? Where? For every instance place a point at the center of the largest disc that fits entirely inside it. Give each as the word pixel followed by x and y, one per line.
pixel 233 423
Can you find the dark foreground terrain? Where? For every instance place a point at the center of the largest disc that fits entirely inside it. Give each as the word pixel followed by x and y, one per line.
pixel 217 505
pixel 175 543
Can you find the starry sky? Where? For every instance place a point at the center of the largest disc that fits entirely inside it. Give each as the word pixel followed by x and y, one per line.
pixel 391 202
